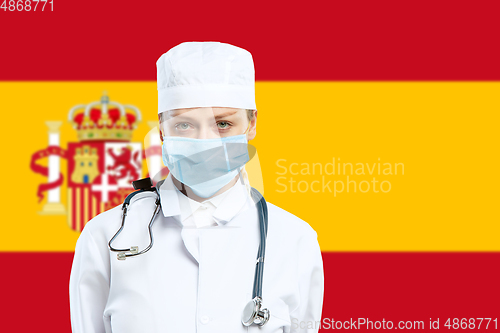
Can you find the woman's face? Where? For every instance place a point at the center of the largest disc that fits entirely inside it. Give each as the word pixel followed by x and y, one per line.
pixel 206 123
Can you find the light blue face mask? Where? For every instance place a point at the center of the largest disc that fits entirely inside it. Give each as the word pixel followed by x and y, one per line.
pixel 205 165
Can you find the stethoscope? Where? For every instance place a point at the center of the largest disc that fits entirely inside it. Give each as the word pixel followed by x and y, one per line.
pixel 253 313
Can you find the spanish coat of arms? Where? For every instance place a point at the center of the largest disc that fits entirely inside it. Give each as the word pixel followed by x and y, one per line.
pixel 101 165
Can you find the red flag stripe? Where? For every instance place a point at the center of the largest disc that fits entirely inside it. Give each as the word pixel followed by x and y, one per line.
pixel 82 208
pixel 73 207
pixel 390 286
pixel 327 40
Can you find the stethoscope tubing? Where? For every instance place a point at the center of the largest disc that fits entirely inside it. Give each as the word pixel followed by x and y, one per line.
pixel 122 253
pixel 259 269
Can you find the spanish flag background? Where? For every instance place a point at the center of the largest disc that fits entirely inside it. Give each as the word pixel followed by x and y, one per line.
pixel 378 124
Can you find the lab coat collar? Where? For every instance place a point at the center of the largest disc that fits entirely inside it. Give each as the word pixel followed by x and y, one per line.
pixel 227 204
pixel 231 204
pixel 169 198
pixel 189 206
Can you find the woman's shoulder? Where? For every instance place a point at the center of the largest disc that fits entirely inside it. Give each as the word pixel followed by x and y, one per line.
pixel 102 226
pixel 289 223
pixel 110 220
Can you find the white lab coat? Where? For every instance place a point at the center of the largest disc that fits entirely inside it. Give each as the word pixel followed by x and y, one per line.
pixel 195 280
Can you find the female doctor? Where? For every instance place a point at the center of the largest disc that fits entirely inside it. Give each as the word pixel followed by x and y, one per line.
pixel 199 275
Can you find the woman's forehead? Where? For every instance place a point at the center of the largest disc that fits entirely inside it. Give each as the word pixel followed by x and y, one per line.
pixel 217 112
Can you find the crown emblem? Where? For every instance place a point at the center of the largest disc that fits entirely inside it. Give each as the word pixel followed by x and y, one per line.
pixel 104 120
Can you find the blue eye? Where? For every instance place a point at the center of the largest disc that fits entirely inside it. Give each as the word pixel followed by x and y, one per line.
pixel 182 126
pixel 223 124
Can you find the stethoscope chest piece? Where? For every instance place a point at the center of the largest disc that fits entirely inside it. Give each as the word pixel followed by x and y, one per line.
pixel 253 313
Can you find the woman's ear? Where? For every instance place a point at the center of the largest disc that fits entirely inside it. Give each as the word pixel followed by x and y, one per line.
pixel 160 127
pixel 161 134
pixel 252 131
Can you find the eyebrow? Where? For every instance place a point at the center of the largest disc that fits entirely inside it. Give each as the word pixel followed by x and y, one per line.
pixel 176 113
pixel 226 114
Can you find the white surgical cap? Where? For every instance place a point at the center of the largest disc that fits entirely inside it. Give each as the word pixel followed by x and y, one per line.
pixel 205 74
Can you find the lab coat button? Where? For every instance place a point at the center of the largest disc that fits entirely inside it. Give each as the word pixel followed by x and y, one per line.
pixel 204 319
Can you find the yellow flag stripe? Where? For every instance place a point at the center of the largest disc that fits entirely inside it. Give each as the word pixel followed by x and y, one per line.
pixel 94 206
pixel 416 165
pixel 78 209
pixel 86 205
pixel 70 207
